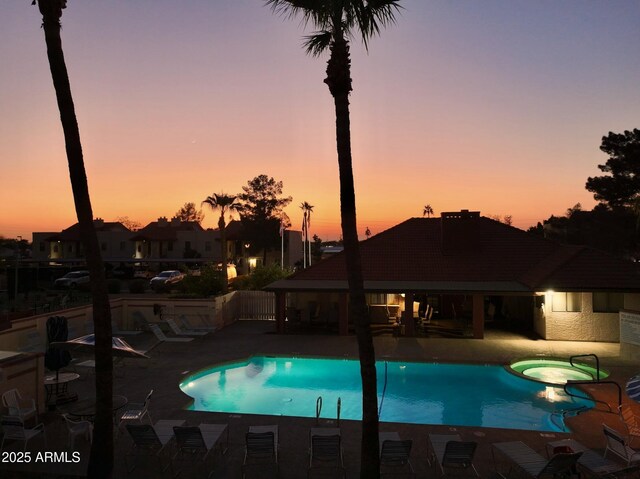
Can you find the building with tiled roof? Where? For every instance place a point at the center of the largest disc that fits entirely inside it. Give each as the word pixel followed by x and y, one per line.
pixel 471 270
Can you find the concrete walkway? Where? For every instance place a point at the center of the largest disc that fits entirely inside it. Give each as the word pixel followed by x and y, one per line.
pixel 170 362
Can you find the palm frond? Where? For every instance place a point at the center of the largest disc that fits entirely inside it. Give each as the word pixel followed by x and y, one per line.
pixel 375 15
pixel 315 12
pixel 317 43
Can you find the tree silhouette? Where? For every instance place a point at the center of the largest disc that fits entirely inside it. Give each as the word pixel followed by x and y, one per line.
pixel 622 184
pixel 367 233
pixel 101 457
pixel 226 204
pixel 188 212
pixel 336 21
pixel 427 211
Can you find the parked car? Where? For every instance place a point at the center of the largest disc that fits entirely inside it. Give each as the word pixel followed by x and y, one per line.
pixel 165 279
pixel 72 280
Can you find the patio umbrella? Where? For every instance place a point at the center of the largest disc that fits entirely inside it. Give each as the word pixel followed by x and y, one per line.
pixel 633 388
pixel 86 344
pixel 54 358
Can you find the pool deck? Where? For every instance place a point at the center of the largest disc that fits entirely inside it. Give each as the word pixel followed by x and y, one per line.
pixel 170 362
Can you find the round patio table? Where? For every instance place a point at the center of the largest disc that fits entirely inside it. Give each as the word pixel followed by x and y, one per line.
pixel 86 408
pixel 58 384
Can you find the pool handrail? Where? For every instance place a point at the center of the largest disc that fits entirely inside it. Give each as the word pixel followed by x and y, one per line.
pixel 586 356
pixel 339 408
pixel 579 382
pixel 318 409
pixel 384 388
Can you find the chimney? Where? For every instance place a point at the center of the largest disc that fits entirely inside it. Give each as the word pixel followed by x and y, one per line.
pixel 162 221
pixel 175 222
pixel 459 232
pixel 98 223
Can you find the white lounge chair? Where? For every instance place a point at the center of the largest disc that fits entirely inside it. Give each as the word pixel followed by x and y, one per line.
pixel 179 332
pixel 591 462
pixel 137 411
pixel 163 338
pixel 534 465
pixel 619 446
pixel 632 423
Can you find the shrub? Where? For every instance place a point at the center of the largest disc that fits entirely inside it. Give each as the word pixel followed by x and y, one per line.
pixel 261 277
pixel 207 284
pixel 137 286
pixel 114 286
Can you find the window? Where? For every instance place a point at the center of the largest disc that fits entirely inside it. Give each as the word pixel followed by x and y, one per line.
pixel 123 246
pixel 70 248
pixel 567 302
pixel 55 248
pixel 207 245
pixel 139 248
pixel 608 302
pixel 41 246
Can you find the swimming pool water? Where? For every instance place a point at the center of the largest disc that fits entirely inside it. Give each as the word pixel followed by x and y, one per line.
pixel 418 393
pixel 556 371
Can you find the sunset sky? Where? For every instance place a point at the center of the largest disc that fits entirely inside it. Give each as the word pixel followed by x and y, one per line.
pixel 497 106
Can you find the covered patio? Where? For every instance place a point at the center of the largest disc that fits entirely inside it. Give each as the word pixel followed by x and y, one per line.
pixel 472 272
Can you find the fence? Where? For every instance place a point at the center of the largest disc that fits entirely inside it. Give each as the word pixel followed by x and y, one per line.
pixel 254 305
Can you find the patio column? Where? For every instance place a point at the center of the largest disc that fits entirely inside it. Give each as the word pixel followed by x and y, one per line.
pixel 407 315
pixel 478 316
pixel 281 305
pixel 343 314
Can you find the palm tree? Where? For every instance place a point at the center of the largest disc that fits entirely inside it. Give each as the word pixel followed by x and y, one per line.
pixel 226 204
pixel 427 211
pixel 336 22
pixel 101 457
pixel 306 222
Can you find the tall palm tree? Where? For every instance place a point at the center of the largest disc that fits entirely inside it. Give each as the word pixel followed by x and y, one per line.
pixel 427 211
pixel 226 204
pixel 336 22
pixel 306 223
pixel 101 458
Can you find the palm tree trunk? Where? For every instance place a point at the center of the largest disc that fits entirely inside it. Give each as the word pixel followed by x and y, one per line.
pixel 101 458
pixel 223 250
pixel 339 82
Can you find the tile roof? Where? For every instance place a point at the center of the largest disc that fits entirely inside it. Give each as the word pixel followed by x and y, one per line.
pixel 165 230
pixel 72 233
pixel 471 252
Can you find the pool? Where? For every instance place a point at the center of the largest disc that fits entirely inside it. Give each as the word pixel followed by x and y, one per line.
pixel 555 371
pixel 416 393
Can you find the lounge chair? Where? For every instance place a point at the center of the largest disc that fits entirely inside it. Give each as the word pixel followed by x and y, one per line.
pixel 162 338
pixel 631 421
pixel 179 332
pixel 150 441
pixel 325 450
pixel 261 447
pixel 195 442
pixel 592 463
pixel 394 454
pixel 532 464
pixel 619 446
pixel 78 428
pixel 137 411
pixel 17 406
pixel 186 324
pixel 13 429
pixel 449 452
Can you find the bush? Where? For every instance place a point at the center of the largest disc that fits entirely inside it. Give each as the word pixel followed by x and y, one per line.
pixel 208 283
pixel 137 286
pixel 261 277
pixel 114 286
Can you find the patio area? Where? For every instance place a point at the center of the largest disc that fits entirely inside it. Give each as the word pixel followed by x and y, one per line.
pixel 170 362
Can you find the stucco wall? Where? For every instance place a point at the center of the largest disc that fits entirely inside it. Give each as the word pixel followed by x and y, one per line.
pixel 583 326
